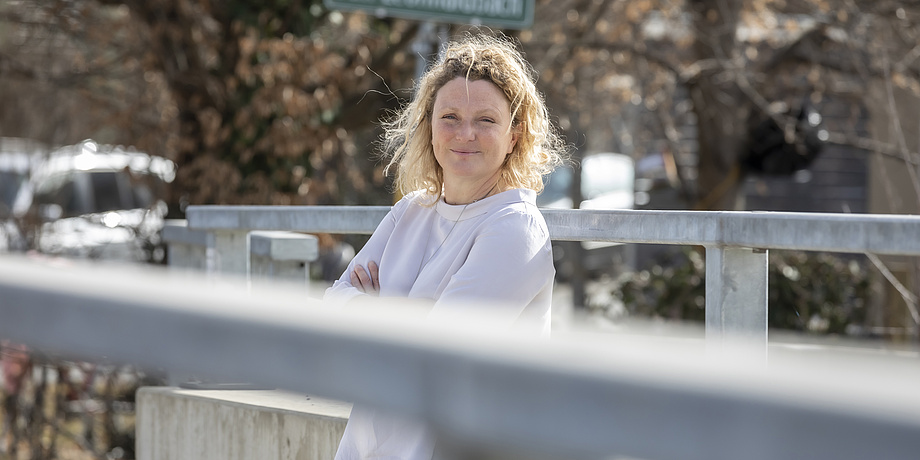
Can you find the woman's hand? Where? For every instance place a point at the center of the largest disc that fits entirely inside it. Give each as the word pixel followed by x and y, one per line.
pixel 367 281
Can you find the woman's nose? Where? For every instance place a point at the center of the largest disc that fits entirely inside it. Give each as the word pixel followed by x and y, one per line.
pixel 466 131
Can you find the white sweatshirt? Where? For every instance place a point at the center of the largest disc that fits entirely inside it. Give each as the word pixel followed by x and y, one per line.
pixel 496 250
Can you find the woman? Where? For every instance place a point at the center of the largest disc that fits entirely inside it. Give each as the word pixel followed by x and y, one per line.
pixel 469 153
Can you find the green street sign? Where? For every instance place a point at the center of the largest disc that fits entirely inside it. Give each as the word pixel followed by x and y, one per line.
pixel 508 14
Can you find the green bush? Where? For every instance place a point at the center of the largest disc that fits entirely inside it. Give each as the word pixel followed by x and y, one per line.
pixel 814 292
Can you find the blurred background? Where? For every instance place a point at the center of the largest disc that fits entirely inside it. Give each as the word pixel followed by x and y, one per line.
pixel 117 115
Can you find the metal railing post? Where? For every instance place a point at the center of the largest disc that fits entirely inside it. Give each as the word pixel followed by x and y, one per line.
pixel 228 252
pixel 186 248
pixel 736 295
pixel 278 255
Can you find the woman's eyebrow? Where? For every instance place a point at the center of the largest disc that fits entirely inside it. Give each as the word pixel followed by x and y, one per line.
pixel 483 111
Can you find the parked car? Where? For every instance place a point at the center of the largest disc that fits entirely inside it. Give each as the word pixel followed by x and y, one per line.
pixel 607 182
pixel 101 202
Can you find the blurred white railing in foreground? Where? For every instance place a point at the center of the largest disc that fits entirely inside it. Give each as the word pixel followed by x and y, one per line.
pixel 736 243
pixel 495 393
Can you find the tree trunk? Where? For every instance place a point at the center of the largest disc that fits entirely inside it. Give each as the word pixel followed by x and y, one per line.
pixel 720 107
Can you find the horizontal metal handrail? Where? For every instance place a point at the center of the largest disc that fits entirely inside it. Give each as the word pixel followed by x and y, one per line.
pixel 736 242
pixel 307 219
pixel 853 233
pixel 575 397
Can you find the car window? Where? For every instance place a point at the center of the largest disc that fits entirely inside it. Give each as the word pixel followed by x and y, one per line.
pixel 60 190
pixel 10 185
pixel 107 192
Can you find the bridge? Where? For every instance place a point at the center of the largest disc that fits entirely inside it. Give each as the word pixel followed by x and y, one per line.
pixel 487 392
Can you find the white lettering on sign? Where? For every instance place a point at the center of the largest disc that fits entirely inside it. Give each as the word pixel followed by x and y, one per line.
pixel 491 8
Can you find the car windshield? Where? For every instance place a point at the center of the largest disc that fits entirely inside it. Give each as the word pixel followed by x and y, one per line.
pixel 86 192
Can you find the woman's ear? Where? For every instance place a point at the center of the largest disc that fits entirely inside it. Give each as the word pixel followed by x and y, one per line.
pixel 515 134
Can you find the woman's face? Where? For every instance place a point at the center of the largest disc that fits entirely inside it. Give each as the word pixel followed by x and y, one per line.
pixel 470 131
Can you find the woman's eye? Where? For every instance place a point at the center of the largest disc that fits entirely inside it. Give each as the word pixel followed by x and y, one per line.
pixel 449 117
pixel 488 120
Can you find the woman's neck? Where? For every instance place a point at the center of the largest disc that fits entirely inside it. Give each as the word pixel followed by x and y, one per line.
pixel 458 196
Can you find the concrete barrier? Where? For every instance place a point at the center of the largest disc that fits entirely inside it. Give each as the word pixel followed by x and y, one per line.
pixel 174 424
pixel 282 255
pixel 273 255
pixel 186 247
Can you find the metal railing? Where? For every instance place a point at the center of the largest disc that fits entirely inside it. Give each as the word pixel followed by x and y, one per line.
pixel 737 243
pixel 496 394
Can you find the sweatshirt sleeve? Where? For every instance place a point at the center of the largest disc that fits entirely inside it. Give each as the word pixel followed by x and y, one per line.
pixel 342 289
pixel 509 264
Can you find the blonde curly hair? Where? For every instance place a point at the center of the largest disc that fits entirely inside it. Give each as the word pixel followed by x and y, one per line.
pixel 407 136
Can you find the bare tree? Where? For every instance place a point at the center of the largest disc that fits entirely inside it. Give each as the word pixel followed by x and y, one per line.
pixel 735 62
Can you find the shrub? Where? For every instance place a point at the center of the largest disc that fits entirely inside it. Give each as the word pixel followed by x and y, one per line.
pixel 815 292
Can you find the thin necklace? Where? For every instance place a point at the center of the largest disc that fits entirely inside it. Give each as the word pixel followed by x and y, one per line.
pixel 459 216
